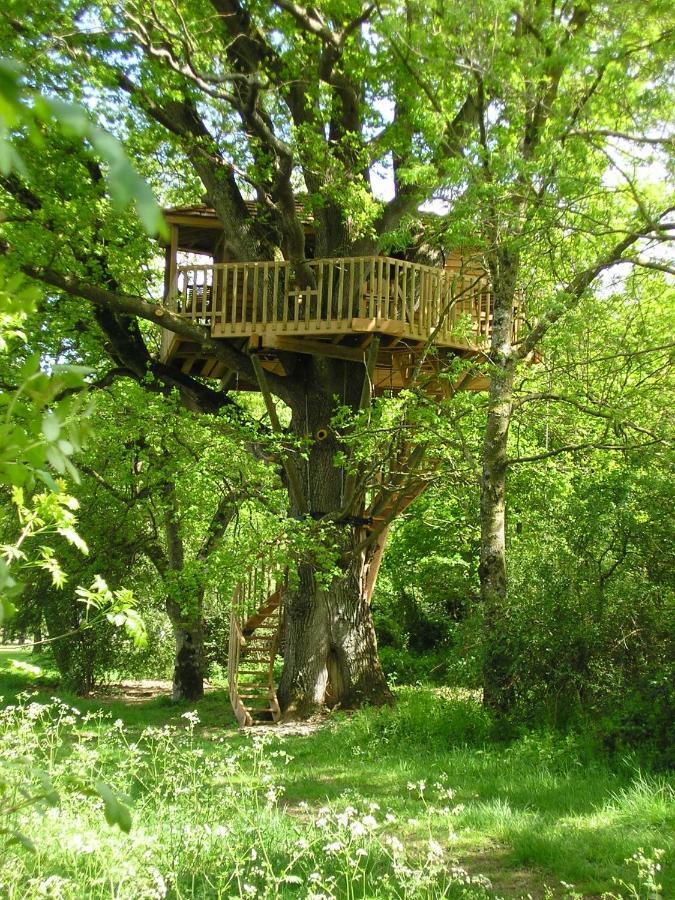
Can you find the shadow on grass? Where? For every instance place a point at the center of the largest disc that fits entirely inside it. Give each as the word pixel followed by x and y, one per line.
pixel 21 670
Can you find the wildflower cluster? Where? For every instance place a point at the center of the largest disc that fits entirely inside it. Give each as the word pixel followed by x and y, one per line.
pixel 207 821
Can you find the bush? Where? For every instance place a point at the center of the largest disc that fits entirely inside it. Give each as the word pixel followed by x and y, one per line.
pixel 434 720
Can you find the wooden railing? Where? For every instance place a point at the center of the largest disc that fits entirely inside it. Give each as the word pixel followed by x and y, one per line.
pixel 254 634
pixel 338 295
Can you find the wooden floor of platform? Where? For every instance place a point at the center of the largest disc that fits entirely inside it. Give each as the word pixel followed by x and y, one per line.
pixel 395 364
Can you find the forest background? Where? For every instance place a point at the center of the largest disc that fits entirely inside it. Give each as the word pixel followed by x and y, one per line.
pixel 542 137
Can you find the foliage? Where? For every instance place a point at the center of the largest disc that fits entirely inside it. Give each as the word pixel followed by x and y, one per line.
pixel 25 109
pixel 34 735
pixel 437 721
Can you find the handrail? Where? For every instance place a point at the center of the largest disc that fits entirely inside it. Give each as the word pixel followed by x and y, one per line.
pixel 343 294
pixel 256 599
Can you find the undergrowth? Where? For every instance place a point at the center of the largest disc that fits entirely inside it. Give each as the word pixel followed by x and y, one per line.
pixel 414 801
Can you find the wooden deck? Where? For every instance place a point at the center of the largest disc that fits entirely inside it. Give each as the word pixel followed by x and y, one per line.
pixel 347 301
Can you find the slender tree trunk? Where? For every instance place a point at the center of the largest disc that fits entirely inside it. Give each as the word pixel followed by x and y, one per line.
pixel 330 648
pixel 497 688
pixel 37 640
pixel 184 610
pixel 188 671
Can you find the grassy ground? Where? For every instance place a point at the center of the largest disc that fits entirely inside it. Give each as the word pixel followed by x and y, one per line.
pixel 217 816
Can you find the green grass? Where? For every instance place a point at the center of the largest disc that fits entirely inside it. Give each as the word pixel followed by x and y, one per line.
pixel 213 814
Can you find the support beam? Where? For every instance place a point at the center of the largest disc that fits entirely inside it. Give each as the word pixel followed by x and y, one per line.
pixel 364 402
pixel 313 348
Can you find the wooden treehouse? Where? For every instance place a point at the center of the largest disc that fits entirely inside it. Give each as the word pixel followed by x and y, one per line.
pixel 259 307
pixel 261 310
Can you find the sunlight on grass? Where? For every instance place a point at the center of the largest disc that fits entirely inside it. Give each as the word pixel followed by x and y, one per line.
pixel 379 804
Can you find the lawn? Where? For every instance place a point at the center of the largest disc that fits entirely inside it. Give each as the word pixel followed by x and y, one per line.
pixel 415 801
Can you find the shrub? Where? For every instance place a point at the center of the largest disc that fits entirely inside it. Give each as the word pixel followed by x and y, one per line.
pixel 435 720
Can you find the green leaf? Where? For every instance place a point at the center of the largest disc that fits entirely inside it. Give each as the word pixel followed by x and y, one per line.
pixel 51 795
pixel 51 427
pixel 73 538
pixel 56 459
pixel 116 813
pixel 47 479
pixel 18 837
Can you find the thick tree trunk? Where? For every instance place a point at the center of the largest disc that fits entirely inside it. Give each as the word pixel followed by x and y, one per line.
pixel 330 648
pixel 188 671
pixel 497 687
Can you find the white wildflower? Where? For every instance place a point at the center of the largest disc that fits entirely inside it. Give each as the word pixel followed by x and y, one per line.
pixel 335 847
pixel 394 843
pixel 435 848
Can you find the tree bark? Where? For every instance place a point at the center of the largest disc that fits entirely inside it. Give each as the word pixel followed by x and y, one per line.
pixel 188 671
pixel 184 610
pixel 38 646
pixel 329 642
pixel 497 687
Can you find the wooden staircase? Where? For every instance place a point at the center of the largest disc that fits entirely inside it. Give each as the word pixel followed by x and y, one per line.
pixel 255 619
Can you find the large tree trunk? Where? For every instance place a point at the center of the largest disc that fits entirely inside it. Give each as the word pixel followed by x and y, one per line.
pixel 497 686
pixel 329 643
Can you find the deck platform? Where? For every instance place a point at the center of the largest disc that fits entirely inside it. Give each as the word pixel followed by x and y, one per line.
pixel 343 304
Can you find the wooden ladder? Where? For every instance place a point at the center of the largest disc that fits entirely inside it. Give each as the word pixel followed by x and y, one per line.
pixel 255 619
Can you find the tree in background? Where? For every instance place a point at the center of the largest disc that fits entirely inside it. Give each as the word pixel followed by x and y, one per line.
pixel 559 183
pixel 298 107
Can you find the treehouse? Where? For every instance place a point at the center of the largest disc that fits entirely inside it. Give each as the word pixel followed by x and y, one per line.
pixel 408 320
pixel 342 305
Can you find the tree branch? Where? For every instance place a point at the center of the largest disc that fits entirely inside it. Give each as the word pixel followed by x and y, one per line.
pixel 152 312
pixel 568 298
pixel 576 448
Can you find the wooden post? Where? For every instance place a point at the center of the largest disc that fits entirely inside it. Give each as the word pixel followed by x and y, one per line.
pixel 172 268
pixel 375 562
pixel 366 395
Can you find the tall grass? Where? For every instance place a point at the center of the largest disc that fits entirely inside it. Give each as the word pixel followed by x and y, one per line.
pixel 410 802
pixel 209 821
